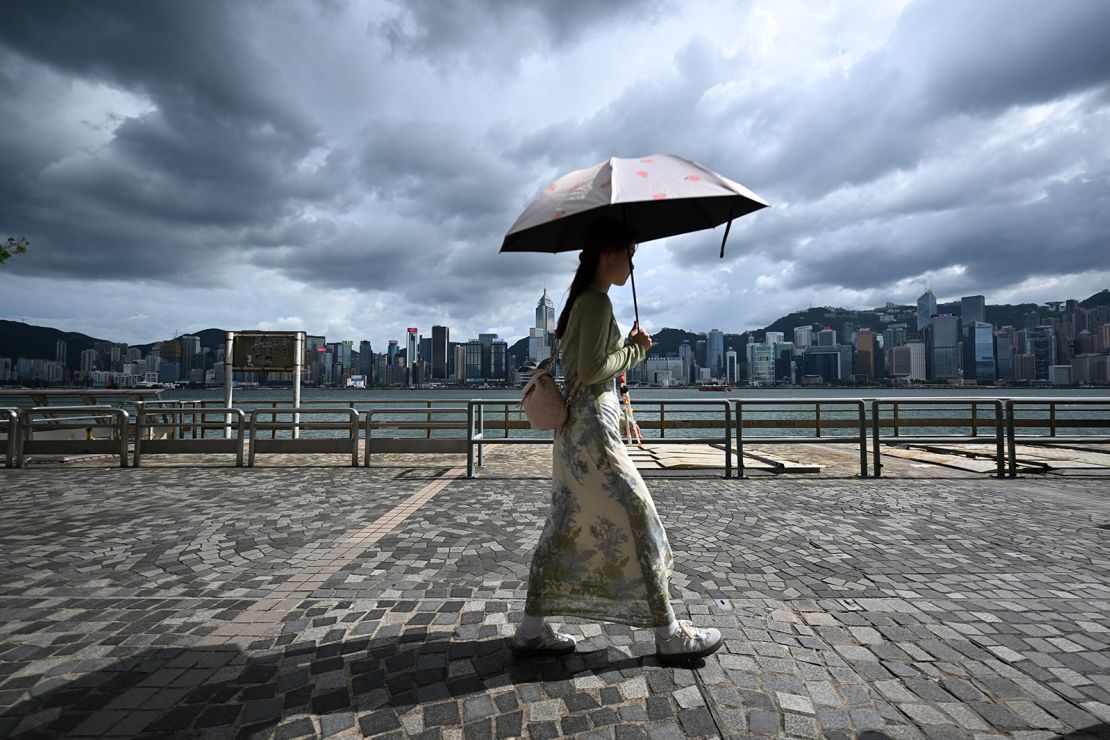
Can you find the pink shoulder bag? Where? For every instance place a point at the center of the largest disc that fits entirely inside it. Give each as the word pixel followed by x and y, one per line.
pixel 543 402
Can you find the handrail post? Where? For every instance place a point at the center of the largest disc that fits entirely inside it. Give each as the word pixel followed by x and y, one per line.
pixel 506 407
pixel 861 408
pixel 482 433
pixel 740 438
pixel 122 418
pixel 974 419
pixel 366 449
pixel 728 439
pixel 896 419
pixel 137 460
pixel 1052 419
pixel 999 439
pixel 878 466
pixel 470 439
pixel 817 419
pixel 352 417
pixel 253 437
pixel 428 420
pixel 240 421
pixel 1011 436
pixel 662 421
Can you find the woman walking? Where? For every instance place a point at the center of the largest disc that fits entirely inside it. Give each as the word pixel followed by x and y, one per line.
pixel 603 553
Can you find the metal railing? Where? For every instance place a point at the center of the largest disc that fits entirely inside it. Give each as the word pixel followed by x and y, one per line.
pixel 859 425
pixel 896 422
pixel 11 444
pixel 1053 423
pixel 302 445
pixel 430 405
pixel 426 444
pixel 476 429
pixel 153 446
pixel 61 418
pixel 185 412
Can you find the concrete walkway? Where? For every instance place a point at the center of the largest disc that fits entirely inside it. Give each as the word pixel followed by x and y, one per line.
pixel 313 601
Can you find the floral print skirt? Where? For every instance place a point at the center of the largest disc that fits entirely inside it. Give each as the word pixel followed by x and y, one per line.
pixel 603 553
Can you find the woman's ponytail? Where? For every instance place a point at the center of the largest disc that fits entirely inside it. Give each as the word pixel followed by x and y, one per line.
pixel 604 235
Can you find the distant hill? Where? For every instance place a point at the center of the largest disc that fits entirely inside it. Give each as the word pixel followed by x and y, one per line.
pixel 27 340
pixel 1102 298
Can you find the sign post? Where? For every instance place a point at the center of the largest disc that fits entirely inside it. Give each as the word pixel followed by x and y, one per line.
pixel 260 352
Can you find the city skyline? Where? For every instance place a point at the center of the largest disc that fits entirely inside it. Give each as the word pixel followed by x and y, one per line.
pixel 347 166
pixel 949 342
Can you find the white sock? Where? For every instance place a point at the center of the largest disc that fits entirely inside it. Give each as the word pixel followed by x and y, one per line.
pixel 531 626
pixel 667 631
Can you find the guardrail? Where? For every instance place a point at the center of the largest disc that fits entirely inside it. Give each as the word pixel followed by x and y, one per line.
pixel 1052 423
pixel 179 409
pixel 302 445
pixel 72 417
pixel 476 430
pixel 859 424
pixel 11 445
pixel 153 446
pixel 999 423
pixel 412 444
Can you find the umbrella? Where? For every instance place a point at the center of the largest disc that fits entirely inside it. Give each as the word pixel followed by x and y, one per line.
pixel 658 196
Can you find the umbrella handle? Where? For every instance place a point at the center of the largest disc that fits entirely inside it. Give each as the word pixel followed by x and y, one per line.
pixel 725 239
pixel 632 276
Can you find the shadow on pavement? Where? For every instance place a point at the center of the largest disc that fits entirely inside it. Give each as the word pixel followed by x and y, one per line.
pixel 185 691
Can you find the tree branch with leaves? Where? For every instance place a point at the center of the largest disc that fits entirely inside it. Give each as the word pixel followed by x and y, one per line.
pixel 14 245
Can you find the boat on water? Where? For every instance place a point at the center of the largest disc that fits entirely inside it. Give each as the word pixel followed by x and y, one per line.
pixel 714 387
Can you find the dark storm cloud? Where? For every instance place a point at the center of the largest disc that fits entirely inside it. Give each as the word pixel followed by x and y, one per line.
pixel 1067 231
pixel 218 149
pixel 492 32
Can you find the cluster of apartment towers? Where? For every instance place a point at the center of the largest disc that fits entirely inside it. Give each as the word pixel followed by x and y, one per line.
pixel 921 346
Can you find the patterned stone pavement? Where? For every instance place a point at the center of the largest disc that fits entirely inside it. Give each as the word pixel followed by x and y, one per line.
pixel 329 601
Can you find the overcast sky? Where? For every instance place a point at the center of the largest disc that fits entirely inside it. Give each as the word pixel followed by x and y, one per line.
pixel 350 169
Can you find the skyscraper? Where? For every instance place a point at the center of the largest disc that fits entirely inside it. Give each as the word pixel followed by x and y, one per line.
pixel 441 340
pixel 972 308
pixel 803 336
pixel 410 345
pixel 486 341
pixel 716 350
pixel 366 361
pixel 867 349
pixel 545 313
pixel 942 339
pixel 474 372
pixel 926 307
pixel 979 362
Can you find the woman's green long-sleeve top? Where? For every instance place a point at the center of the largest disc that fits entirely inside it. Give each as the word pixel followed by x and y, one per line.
pixel 593 348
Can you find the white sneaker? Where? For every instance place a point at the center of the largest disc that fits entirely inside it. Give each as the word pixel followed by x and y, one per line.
pixel 687 643
pixel 547 642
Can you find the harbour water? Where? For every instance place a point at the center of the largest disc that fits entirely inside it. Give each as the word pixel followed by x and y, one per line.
pixel 796 404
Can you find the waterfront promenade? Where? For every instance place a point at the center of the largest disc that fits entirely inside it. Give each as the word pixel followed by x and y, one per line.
pixel 189 598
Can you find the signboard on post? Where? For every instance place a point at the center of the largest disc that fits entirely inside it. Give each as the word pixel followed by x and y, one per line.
pixel 261 352
pixel 258 351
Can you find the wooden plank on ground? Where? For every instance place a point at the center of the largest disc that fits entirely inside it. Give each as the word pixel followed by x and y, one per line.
pixel 949 461
pixel 779 464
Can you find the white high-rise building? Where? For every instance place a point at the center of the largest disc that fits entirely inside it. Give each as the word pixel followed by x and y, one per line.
pixel 803 336
pixel 545 313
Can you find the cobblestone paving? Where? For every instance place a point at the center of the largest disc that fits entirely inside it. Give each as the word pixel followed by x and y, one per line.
pixel 301 602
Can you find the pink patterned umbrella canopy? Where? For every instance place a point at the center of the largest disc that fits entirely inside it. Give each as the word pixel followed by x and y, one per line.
pixel 658 196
